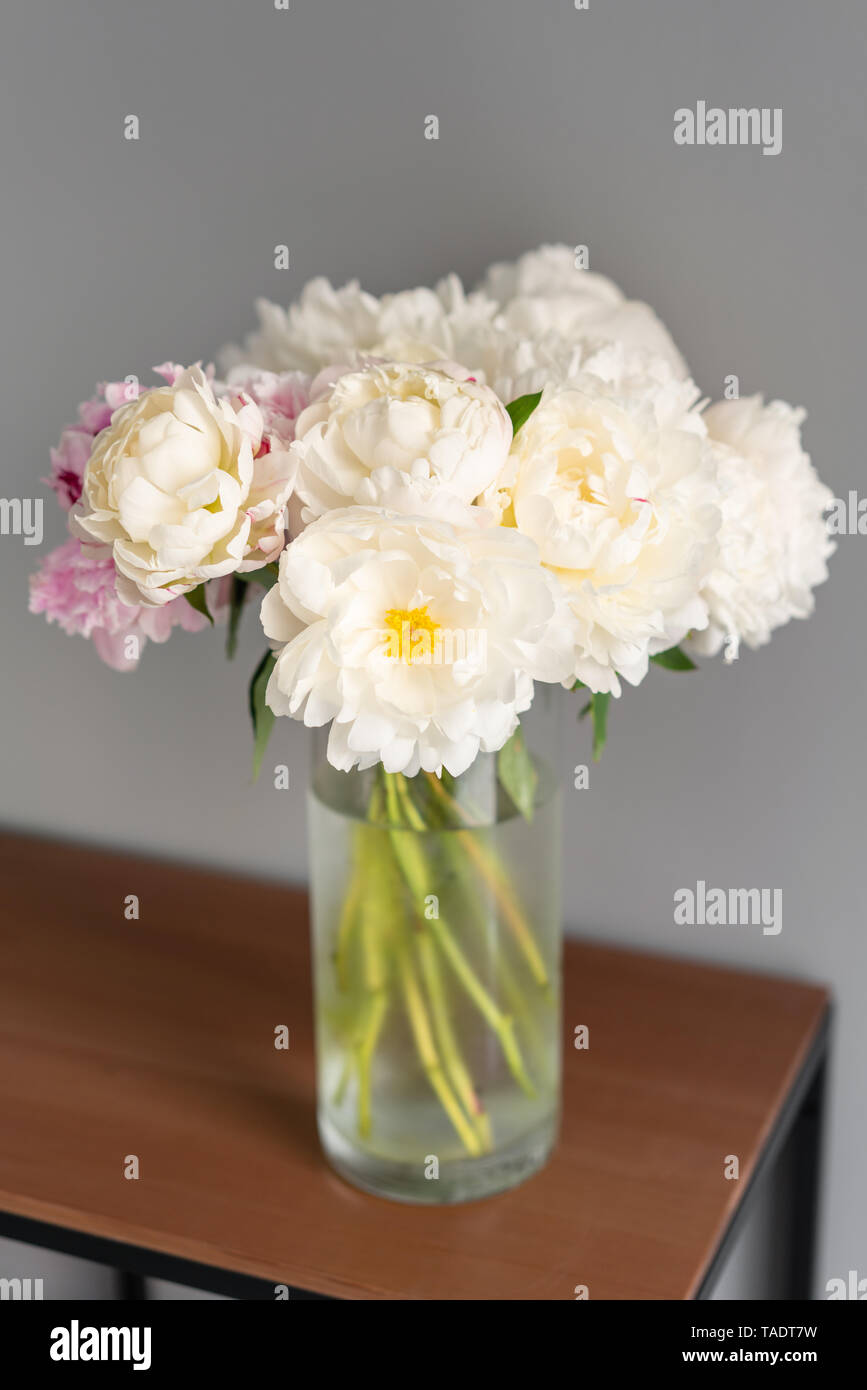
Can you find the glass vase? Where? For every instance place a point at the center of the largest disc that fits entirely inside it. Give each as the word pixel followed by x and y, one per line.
pixel 435 917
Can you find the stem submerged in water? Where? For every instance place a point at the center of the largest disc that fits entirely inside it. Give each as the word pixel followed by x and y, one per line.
pixel 411 857
pixel 453 1061
pixel 392 933
pixel 428 1053
pixel 495 875
pixel 366 1046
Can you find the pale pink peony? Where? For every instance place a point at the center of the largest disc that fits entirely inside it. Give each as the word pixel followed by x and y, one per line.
pixel 170 371
pixel 69 459
pixel 76 588
pixel 281 396
pixel 68 462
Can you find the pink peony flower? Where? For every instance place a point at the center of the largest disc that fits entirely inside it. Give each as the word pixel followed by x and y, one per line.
pixel 170 371
pixel 76 588
pixel 95 414
pixel 280 396
pixel 69 459
pixel 68 462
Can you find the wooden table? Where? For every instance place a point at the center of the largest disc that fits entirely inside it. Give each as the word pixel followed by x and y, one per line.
pixel 154 1037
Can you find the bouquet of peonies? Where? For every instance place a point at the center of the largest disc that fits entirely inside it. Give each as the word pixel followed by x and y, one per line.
pixel 446 497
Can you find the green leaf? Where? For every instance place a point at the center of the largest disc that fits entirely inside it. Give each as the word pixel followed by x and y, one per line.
pixel 586 710
pixel 521 409
pixel 267 576
pixel 600 704
pixel 674 660
pixel 196 599
pixel 236 607
pixel 579 685
pixel 261 715
pixel 517 773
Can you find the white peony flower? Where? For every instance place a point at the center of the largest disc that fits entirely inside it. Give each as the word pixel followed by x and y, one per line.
pixel 773 542
pixel 415 438
pixel 543 292
pixel 514 365
pixel 445 323
pixel 614 481
pixel 419 641
pixel 184 488
pixel 329 326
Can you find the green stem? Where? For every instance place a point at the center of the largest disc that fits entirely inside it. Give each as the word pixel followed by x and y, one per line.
pixel 343 1080
pixel 349 918
pixel 376 1011
pixel 376 878
pixel 427 1051
pixel 478 915
pixel 411 859
pixel 456 1068
pixel 492 871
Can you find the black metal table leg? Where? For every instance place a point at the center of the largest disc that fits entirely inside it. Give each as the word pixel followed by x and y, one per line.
pixel 806 1144
pixel 796 1140
pixel 131 1288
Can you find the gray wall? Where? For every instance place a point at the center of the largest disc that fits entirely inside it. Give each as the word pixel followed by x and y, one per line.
pixel 261 127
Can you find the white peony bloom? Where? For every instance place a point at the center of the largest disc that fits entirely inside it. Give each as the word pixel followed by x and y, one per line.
pixel 419 641
pixel 329 326
pixel 774 542
pixel 425 325
pixel 184 488
pixel 514 365
pixel 614 481
pixel 416 438
pixel 544 292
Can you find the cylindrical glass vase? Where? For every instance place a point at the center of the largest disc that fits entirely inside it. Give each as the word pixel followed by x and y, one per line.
pixel 435 916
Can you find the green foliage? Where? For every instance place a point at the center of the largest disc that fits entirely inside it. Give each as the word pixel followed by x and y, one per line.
pixel 517 773
pixel 674 660
pixel 196 599
pixel 261 715
pixel 236 608
pixel 521 409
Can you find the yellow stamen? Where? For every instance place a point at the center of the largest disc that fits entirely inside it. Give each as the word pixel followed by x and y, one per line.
pixel 415 631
